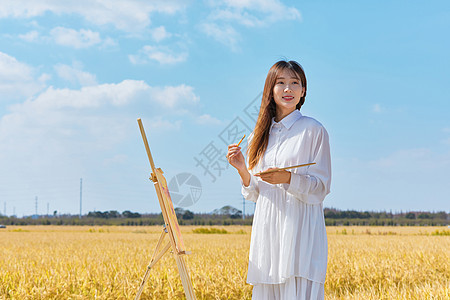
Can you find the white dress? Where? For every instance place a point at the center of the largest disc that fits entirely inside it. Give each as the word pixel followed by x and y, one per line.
pixel 288 249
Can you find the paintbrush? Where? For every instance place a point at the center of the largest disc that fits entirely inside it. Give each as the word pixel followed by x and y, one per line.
pixel 286 168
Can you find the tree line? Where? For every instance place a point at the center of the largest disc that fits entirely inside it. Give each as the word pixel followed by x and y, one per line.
pixel 383 218
pixel 229 215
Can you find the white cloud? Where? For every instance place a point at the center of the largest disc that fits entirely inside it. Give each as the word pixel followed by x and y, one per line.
pixel 377 108
pixel 13 70
pixel 207 119
pixel 159 33
pixel 73 38
pixel 161 54
pixel 65 129
pixel 129 16
pixel 175 96
pixel 69 37
pixel 240 17
pixel 87 97
pixel 158 123
pixel 253 13
pixel 63 133
pixel 31 36
pixel 121 94
pixel 44 78
pixel 108 42
pixel 223 34
pixel 270 10
pixel 74 74
pixel 226 14
pixel 18 79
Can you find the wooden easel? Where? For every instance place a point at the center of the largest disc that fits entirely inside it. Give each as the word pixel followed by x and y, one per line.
pixel 171 228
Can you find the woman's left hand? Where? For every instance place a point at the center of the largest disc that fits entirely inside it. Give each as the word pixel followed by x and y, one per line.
pixel 276 177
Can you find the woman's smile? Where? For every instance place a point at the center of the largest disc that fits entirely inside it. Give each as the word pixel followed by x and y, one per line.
pixel 288 98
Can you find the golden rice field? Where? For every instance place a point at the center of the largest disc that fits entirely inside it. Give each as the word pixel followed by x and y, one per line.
pixel 51 262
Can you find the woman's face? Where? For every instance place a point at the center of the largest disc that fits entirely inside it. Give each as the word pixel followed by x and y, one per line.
pixel 287 92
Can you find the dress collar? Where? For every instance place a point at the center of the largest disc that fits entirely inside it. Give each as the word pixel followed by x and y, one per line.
pixel 287 121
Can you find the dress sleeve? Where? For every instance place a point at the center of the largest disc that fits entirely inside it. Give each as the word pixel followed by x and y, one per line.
pixel 313 186
pixel 250 192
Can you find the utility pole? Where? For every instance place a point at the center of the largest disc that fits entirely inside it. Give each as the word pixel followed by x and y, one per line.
pixel 81 194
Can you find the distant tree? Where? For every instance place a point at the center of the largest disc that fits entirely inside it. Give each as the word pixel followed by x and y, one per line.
pixel 410 216
pixel 441 215
pixel 424 216
pixel 95 214
pixel 104 215
pixel 129 214
pixel 365 215
pixel 236 215
pixel 179 212
pixel 330 214
pixel 113 214
pixel 188 215
pixel 226 210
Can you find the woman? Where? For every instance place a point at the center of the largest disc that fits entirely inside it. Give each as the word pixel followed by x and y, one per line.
pixel 288 249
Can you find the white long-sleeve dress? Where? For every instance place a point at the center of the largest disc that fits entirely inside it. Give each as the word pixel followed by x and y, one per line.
pixel 288 249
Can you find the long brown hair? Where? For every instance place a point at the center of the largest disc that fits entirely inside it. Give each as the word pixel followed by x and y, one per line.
pixel 258 143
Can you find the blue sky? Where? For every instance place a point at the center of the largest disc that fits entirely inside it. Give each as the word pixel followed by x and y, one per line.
pixel 75 76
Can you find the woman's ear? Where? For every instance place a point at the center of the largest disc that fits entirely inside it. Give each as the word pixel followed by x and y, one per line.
pixel 303 92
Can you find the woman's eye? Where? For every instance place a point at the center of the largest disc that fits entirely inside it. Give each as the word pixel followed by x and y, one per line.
pixel 280 82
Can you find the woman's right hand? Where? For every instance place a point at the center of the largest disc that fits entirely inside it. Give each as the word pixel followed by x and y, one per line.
pixel 235 157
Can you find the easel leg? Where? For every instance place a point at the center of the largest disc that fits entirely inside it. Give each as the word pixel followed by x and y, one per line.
pixel 155 258
pixel 158 245
pixel 185 279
